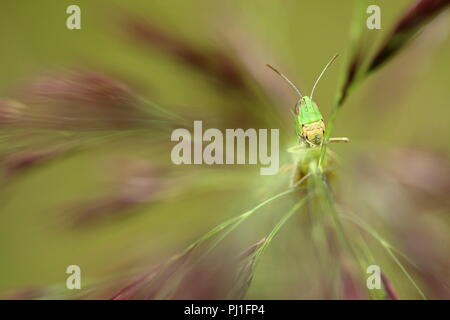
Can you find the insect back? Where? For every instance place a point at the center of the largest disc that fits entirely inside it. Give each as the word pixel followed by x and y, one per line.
pixel 310 121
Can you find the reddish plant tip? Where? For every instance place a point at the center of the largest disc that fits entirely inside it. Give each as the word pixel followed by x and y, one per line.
pixel 18 162
pixel 250 250
pixel 214 63
pixel 90 87
pixel 11 111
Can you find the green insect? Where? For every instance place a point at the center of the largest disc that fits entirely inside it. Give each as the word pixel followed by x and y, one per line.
pixel 309 124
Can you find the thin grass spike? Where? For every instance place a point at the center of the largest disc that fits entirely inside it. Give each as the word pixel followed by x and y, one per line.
pixel 261 249
pixel 390 250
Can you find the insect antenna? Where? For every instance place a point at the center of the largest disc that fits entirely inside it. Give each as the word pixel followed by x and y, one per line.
pixel 286 78
pixel 321 74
